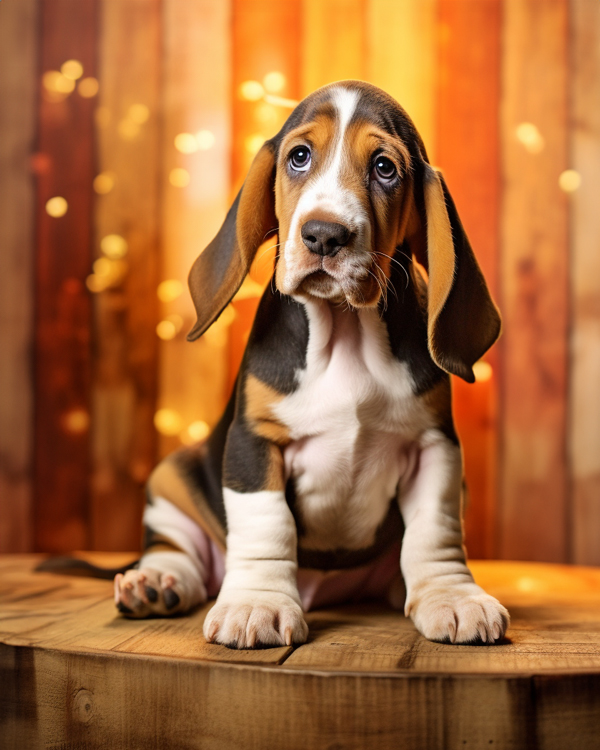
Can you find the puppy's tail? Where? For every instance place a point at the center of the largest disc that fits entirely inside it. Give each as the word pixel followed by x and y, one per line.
pixel 75 566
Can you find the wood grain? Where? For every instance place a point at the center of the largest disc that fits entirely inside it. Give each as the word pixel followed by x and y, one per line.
pixel 534 276
pixel 63 305
pixel 584 428
pixel 18 94
pixel 196 79
pixel 125 359
pixel 468 143
pixel 75 664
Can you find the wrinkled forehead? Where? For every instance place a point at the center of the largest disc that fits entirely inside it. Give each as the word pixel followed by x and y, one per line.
pixel 346 106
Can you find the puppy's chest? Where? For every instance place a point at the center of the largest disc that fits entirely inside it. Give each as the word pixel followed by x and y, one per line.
pixel 353 421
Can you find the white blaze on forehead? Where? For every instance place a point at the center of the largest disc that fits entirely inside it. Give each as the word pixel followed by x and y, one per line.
pixel 327 192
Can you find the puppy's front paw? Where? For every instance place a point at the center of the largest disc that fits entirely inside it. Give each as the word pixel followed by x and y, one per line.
pixel 458 614
pixel 248 619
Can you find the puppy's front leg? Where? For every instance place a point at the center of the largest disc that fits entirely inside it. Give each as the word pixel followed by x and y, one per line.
pixel 259 602
pixel 442 598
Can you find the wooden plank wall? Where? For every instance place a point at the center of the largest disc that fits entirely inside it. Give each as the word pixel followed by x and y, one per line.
pixel 534 281
pixel 63 304
pixel 505 95
pixel 18 94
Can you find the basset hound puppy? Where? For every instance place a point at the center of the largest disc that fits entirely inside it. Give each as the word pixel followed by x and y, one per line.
pixel 336 464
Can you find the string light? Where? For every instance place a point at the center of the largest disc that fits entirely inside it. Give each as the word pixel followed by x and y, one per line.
pixel 104 183
pixel 274 82
pixel 179 177
pixel 569 180
pixel 251 91
pixel 76 421
pixel 482 371
pixel 530 137
pixel 186 143
pixel 168 422
pixel 114 246
pixel 72 69
pixel 56 207
pixel 169 290
pixel 205 139
pixel 139 113
pixel 88 87
pixel 253 143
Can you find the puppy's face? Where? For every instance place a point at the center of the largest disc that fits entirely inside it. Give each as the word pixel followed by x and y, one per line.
pixel 343 179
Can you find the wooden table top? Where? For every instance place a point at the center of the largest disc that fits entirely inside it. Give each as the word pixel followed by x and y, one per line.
pixel 555 626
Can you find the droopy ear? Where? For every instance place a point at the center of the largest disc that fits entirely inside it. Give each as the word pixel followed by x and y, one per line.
pixel 463 321
pixel 219 270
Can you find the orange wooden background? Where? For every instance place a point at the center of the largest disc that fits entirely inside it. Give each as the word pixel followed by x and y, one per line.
pixel 148 140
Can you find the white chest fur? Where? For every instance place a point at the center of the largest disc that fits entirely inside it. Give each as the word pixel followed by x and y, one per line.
pixel 353 421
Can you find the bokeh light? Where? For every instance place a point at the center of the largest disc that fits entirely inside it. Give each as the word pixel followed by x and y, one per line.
pixel 138 113
pixel 88 87
pixel 56 206
pixel 168 422
pixel 205 139
pixel 104 183
pixel 166 330
pixel 114 246
pixel 482 371
pixel 186 143
pixel 530 137
pixel 274 82
pixel 251 91
pixel 72 69
pixel 55 82
pixel 253 143
pixel 179 177
pixel 569 180
pixel 76 421
pixel 169 290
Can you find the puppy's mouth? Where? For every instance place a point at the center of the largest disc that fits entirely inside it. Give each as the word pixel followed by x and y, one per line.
pixel 322 284
pixel 361 290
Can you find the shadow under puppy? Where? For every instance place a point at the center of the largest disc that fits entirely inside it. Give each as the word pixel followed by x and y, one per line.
pixel 339 430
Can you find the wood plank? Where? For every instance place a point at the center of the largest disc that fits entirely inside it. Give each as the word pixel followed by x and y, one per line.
pixel 468 151
pixel 334 42
pixel 401 58
pixel 18 93
pixel 125 362
pixel 63 312
pixel 584 427
pixel 534 277
pixel 196 96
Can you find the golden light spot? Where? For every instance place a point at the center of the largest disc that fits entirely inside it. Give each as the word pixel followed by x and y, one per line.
pixel 56 82
pixel 198 430
pixel 57 207
pixel 179 177
pixel 96 283
pixel 569 181
pixel 104 182
pixel 186 143
pixel 274 82
pixel 76 421
pixel 530 137
pixel 102 117
pixel 176 320
pixel 482 371
pixel 165 330
pixel 253 143
pixel 114 246
pixel 128 129
pixel 169 290
pixel 205 139
pixel 102 267
pixel 266 114
pixel 139 113
pixel 72 69
pixel 527 585
pixel 251 91
pixel 88 87
pixel 167 422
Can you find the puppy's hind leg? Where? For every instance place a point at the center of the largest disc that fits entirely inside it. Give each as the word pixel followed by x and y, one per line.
pixel 173 572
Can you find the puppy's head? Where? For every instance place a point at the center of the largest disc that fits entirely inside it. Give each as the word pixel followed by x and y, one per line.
pixel 345 183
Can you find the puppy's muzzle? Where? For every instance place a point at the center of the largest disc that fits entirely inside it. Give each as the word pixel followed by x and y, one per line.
pixel 325 237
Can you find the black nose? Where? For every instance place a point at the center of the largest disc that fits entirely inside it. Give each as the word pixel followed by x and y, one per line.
pixel 324 237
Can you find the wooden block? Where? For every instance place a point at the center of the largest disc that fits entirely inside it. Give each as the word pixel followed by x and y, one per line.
pixel 18 93
pixel 533 495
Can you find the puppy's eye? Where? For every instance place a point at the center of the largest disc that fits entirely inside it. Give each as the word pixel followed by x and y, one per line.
pixel 384 168
pixel 300 159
